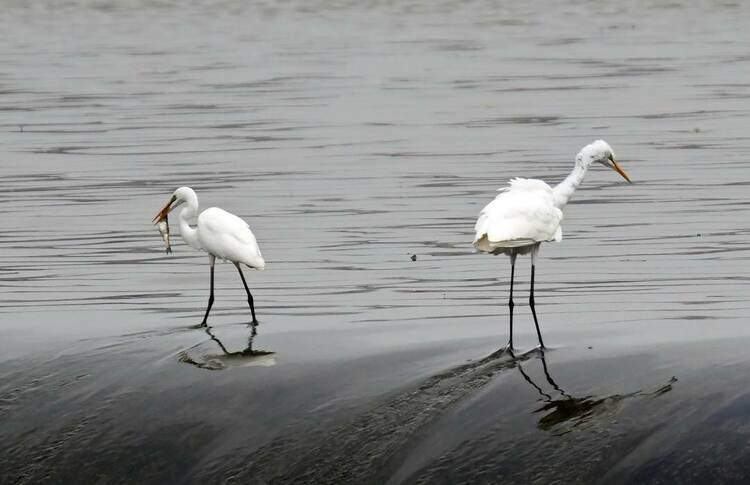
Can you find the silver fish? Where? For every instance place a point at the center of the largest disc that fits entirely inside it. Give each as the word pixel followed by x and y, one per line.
pixel 164 231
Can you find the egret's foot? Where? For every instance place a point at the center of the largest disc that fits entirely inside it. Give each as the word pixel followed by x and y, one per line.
pixel 509 349
pixel 254 323
pixel 531 351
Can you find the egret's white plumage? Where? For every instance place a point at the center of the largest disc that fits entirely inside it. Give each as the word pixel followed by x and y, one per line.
pixel 228 237
pixel 528 212
pixel 522 215
pixel 218 232
pixel 221 234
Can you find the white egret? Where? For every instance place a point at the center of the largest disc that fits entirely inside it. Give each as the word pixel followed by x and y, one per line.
pixel 528 213
pixel 221 234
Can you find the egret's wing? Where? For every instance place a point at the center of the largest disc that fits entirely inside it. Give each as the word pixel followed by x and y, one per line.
pixel 522 214
pixel 229 237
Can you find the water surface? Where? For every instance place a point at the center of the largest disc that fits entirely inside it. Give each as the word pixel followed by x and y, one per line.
pixel 351 136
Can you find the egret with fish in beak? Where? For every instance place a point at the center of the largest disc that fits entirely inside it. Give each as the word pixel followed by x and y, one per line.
pixel 221 234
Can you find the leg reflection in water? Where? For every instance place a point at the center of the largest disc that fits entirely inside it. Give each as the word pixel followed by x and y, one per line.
pixel 248 356
pixel 573 411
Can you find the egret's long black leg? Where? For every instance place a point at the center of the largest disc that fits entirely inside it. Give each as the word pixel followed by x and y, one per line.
pixel 533 310
pixel 211 296
pixel 249 295
pixel 510 300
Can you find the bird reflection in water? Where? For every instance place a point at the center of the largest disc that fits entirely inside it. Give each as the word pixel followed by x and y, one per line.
pixel 246 357
pixel 565 408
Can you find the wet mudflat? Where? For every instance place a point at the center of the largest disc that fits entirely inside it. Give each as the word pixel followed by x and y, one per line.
pixel 352 136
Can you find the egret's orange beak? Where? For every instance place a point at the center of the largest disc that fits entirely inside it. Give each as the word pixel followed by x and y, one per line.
pixel 619 170
pixel 164 211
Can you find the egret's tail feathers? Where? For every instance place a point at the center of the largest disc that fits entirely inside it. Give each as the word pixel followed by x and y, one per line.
pixel 483 244
pixel 256 260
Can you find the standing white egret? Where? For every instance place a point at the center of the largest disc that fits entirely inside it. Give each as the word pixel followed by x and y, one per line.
pixel 219 233
pixel 528 213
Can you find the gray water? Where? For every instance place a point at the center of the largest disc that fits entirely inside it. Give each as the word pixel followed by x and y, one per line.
pixel 351 136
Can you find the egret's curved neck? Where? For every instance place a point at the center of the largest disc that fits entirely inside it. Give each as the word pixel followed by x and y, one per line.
pixel 563 191
pixel 189 235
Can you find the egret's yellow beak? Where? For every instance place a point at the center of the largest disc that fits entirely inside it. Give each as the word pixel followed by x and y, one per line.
pixel 619 170
pixel 164 211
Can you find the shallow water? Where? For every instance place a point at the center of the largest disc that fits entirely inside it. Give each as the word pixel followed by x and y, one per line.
pixel 351 136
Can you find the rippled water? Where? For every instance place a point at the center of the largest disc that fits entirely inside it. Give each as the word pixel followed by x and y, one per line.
pixel 351 136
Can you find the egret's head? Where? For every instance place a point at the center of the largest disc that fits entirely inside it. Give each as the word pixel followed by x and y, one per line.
pixel 601 152
pixel 179 197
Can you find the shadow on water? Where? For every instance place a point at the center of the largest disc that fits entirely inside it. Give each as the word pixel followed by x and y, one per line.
pixel 242 358
pixel 377 442
pixel 575 410
pixel 372 444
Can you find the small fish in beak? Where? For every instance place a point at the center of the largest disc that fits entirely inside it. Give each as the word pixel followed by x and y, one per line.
pixel 162 222
pixel 163 226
